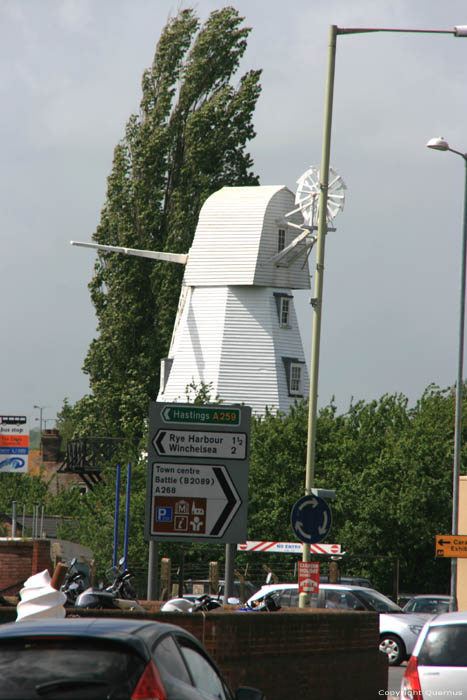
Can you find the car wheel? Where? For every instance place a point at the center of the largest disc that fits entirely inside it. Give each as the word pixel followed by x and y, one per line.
pixel 394 647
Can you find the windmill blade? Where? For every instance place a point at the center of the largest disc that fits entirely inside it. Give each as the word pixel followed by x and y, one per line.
pixel 180 258
pixel 308 191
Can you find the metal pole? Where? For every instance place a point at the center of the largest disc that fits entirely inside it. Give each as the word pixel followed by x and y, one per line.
pixel 334 30
pixel 229 572
pixel 319 277
pixel 127 514
pixel 459 393
pixel 152 591
pixel 117 508
pixel 35 517
pixel 13 520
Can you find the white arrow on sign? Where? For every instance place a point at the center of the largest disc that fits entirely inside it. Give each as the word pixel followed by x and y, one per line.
pixel 173 482
pixel 198 443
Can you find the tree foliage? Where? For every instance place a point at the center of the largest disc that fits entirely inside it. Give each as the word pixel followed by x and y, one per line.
pixel 187 141
pixel 391 467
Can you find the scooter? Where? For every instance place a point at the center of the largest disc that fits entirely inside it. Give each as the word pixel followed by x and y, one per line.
pixel 75 583
pixel 267 604
pixel 120 594
pixel 205 603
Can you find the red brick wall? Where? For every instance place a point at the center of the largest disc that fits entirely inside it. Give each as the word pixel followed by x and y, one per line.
pixel 20 559
pixel 301 655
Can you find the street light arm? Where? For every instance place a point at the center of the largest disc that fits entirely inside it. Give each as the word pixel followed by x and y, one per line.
pixel 459 31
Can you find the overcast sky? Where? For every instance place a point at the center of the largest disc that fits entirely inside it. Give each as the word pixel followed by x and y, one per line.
pixel 71 75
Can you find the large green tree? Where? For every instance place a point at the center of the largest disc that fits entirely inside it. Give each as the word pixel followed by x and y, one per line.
pixel 391 467
pixel 187 141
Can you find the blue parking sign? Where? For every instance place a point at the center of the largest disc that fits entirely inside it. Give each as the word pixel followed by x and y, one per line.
pixel 163 514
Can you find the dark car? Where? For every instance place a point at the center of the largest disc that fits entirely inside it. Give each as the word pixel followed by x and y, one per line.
pixel 114 659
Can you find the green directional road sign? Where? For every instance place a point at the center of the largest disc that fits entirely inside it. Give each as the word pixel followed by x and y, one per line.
pixel 200 415
pixel 197 482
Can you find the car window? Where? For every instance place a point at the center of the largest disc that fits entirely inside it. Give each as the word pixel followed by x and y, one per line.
pixel 294 597
pixel 205 676
pixel 286 597
pixel 169 661
pixel 373 600
pixel 341 600
pixel 429 605
pixel 80 669
pixel 444 646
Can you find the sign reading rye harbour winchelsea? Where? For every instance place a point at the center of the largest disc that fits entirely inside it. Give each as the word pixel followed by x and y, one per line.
pixel 197 481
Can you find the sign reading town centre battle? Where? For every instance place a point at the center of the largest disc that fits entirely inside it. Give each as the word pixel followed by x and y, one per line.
pixel 198 463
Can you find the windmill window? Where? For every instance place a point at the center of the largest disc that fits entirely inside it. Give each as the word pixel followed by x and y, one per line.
pixel 295 379
pixel 294 375
pixel 281 240
pixel 284 308
pixel 285 312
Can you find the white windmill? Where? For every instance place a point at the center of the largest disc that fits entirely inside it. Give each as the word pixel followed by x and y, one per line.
pixel 236 327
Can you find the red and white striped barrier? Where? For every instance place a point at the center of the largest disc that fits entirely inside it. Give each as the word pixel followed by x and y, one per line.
pixel 287 547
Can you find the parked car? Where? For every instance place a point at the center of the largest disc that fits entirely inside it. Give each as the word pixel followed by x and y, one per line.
pixel 438 665
pixel 398 631
pixel 428 604
pixel 93 658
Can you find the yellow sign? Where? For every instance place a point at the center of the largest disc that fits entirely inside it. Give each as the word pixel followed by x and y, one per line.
pixel 451 546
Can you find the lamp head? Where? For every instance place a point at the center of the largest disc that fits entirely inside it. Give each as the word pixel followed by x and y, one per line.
pixel 438 143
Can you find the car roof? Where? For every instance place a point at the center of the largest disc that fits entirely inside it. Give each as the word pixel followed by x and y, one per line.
pixel 439 596
pixel 133 632
pixel 339 586
pixel 449 618
pixel 271 587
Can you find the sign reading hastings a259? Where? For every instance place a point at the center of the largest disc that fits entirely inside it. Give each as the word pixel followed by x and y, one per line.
pixel 198 463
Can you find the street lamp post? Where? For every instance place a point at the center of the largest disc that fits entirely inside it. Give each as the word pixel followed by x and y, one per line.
pixel 334 31
pixel 439 144
pixel 41 409
pixel 48 420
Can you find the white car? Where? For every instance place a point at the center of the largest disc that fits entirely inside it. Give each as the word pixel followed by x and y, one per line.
pixel 438 665
pixel 398 631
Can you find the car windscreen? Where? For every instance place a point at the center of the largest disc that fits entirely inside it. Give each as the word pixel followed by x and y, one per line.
pixel 376 601
pixel 445 645
pixel 65 668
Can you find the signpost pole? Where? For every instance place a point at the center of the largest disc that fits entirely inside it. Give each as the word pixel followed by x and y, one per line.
pixel 229 572
pixel 152 591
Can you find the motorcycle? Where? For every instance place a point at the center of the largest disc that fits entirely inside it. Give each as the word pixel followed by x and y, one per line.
pixel 74 583
pixel 266 604
pixel 204 603
pixel 119 594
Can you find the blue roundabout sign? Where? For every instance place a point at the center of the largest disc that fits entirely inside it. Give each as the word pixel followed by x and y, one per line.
pixel 311 519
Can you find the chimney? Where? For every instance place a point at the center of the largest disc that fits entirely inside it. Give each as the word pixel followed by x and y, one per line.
pixel 50 443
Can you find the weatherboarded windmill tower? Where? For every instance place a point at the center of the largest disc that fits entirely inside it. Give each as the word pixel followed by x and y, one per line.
pixel 236 329
pixel 236 326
